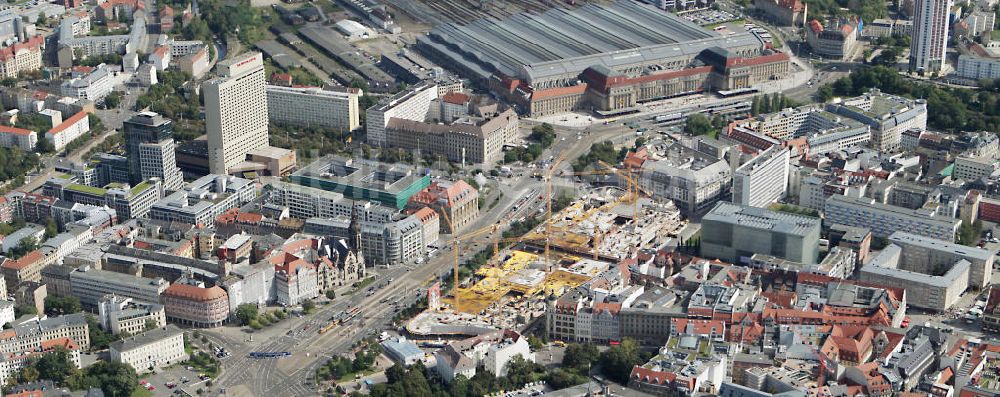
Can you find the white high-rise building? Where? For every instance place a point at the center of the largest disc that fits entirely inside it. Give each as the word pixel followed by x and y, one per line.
pixel 412 104
pixel 158 160
pixel 930 34
pixel 762 180
pixel 235 111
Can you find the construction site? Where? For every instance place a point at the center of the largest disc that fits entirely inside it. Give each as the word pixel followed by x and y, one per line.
pixel 609 232
pixel 506 296
pixel 576 244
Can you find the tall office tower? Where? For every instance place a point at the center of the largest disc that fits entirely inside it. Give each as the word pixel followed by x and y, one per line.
pixel 149 145
pixel 930 35
pixel 235 111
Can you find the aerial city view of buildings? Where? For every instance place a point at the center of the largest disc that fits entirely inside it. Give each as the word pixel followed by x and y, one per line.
pixel 737 198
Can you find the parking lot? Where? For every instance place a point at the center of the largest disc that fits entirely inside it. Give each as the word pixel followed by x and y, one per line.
pixel 179 376
pixel 708 17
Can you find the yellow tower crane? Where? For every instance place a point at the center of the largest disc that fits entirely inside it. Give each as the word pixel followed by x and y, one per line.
pixel 456 240
pixel 548 223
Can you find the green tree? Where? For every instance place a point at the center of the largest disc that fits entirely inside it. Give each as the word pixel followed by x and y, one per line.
pixel 28 374
pixel 113 100
pixel 51 228
pixel 699 124
pixel 580 356
pixel 99 338
pixel 415 382
pixel 330 294
pixel 308 305
pixel 535 343
pixel 45 146
pixel 8 82
pixel 56 305
pixel 246 312
pixel 114 379
pixel 395 373
pixel 544 134
pixel 23 247
pixel 151 325
pixel 42 19
pixel 56 366
pixel 561 378
pixel 617 362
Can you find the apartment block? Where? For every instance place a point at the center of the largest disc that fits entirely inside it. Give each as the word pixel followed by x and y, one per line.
pixel 934 291
pixel 69 130
pixel 971 168
pixel 334 108
pixel 21 57
pixel 91 285
pixel 304 202
pixel 456 202
pixel 928 255
pixel 26 268
pixel 887 115
pixel 93 86
pixel 762 180
pixel 151 350
pixel 20 138
pixel 203 200
pixel 884 219
pixel 929 41
pixel 119 314
pixel 127 201
pixel 412 104
pixel 468 139
pixel 693 180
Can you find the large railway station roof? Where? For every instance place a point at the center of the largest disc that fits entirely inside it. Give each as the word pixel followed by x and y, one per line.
pixel 560 41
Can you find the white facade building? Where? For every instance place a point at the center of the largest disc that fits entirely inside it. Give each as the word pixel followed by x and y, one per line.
pixel 314 106
pixel 974 67
pixel 236 114
pixel 94 86
pixel 971 168
pixel 884 219
pixel 6 312
pixel 499 355
pixel 296 283
pixel 18 137
pixel 69 130
pixel 157 160
pixel 762 180
pixel 151 350
pixel 412 104
pixel 930 34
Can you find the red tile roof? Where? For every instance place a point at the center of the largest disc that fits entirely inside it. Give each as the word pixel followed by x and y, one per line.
pixel 14 130
pixel 111 3
pixel 558 92
pixel 65 343
pixel 28 259
pixel 31 44
pixel 425 214
pixel 161 51
pixel 456 98
pixel 193 292
pixel 72 120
